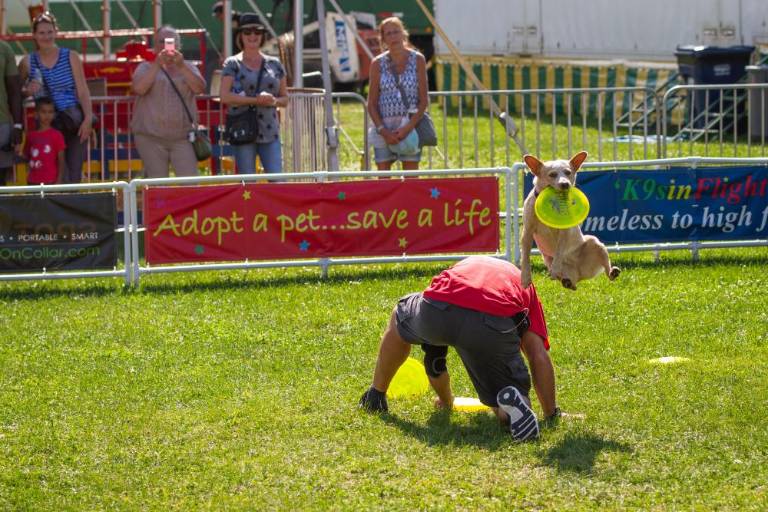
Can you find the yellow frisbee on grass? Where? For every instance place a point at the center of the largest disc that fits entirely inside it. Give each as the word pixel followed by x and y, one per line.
pixel 469 404
pixel 410 380
pixel 561 209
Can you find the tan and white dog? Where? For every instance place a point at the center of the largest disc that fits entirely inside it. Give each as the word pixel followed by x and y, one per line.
pixel 569 255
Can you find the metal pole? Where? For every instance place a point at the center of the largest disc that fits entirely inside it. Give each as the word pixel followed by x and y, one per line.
pixel 298 43
pixel 106 27
pixel 331 136
pixel 157 14
pixel 227 28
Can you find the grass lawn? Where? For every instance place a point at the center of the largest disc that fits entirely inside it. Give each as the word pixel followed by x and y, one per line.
pixel 238 390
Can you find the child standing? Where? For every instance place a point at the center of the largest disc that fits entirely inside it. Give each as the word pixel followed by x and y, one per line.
pixel 44 149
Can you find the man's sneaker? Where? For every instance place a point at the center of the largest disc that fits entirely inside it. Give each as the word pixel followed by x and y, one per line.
pixel 374 400
pixel 522 420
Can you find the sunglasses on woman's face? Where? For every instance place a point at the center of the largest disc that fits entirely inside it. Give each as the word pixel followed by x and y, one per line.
pixel 251 32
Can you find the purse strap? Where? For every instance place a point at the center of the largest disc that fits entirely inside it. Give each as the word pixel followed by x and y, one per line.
pixel 403 96
pixel 39 64
pixel 184 103
pixel 258 79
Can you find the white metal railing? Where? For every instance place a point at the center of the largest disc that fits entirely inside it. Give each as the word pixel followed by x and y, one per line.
pixel 611 123
pixel 126 230
pixel 511 234
pixel 695 245
pixel 716 120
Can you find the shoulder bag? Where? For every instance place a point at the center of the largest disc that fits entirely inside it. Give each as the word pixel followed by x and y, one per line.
pixel 67 121
pixel 425 128
pixel 243 127
pixel 199 138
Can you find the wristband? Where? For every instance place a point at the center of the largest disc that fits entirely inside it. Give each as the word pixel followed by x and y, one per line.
pixel 379 128
pixel 18 126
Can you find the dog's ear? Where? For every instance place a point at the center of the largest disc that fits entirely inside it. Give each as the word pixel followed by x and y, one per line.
pixel 577 160
pixel 533 163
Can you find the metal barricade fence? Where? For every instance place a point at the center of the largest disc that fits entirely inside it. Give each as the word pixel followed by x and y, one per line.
pixel 509 202
pixel 551 123
pixel 694 162
pixel 120 190
pixel 111 153
pixel 611 123
pixel 718 120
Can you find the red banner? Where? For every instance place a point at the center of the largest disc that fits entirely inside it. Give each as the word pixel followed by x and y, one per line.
pixel 310 220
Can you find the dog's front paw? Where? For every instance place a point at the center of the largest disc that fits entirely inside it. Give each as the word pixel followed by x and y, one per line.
pixel 615 271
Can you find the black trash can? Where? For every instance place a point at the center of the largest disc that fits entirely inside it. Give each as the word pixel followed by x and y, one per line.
pixel 711 65
pixel 758 102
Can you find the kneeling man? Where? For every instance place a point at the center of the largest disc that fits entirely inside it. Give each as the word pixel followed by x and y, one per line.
pixel 479 307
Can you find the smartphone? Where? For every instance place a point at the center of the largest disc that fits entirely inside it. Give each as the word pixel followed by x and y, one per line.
pixel 170 44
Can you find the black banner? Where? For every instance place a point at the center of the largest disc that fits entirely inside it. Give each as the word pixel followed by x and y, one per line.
pixel 58 232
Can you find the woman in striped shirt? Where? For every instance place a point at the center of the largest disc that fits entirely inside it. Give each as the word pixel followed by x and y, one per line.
pixel 58 73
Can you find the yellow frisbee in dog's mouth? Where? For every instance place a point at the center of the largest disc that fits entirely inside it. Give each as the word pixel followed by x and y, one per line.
pixel 561 209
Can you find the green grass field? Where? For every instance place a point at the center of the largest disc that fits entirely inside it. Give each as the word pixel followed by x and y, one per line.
pixel 238 391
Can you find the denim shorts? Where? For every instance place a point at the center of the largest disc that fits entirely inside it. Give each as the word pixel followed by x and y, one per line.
pixel 382 153
pixel 488 345
pixel 386 155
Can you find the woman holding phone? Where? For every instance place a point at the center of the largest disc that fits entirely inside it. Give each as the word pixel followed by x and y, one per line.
pixel 160 123
pixel 256 82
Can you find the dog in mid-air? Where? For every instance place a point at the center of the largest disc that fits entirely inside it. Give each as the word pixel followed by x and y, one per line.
pixel 568 254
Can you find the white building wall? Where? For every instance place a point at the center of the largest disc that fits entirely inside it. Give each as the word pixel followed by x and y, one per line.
pixel 642 29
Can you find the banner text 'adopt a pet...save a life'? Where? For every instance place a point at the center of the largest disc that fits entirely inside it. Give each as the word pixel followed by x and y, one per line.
pixel 306 220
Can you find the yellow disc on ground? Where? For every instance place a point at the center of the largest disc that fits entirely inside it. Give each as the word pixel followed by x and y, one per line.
pixel 669 360
pixel 561 209
pixel 468 404
pixel 410 379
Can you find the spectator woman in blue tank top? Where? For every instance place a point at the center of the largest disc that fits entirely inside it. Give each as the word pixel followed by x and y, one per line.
pixel 252 79
pixel 394 118
pixel 58 73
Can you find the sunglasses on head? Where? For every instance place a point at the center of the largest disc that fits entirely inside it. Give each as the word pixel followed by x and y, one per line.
pixel 45 16
pixel 251 31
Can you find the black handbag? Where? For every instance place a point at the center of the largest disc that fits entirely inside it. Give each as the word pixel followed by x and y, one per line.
pixel 425 128
pixel 243 127
pixel 201 144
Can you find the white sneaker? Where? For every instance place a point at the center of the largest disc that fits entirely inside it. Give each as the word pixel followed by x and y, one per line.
pixel 522 420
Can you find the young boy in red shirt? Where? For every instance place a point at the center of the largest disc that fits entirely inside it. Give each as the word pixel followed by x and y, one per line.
pixel 44 148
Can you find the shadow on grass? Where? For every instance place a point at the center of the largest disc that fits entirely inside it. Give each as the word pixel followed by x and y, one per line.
pixel 37 290
pixel 425 271
pixel 483 430
pixel 577 452
pixel 683 259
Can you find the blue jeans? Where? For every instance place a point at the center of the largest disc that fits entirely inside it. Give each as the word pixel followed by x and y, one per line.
pixel 269 153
